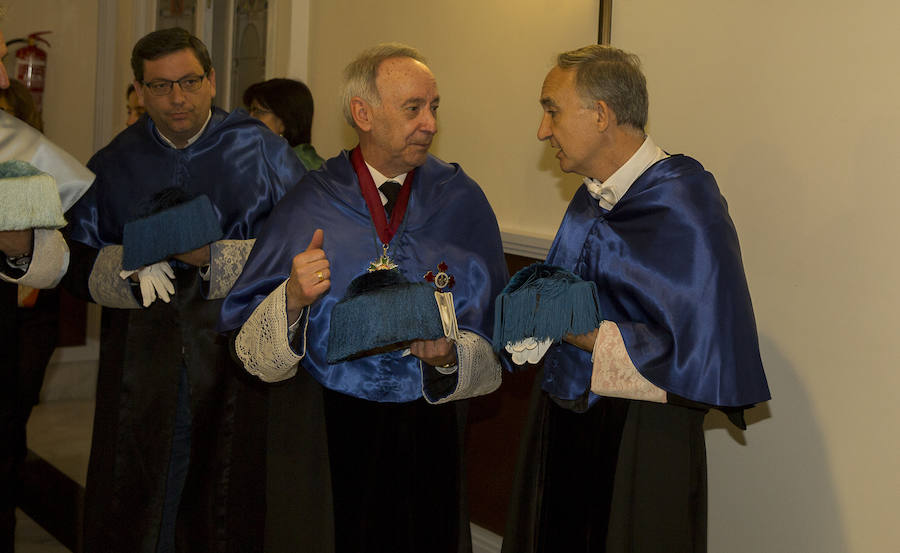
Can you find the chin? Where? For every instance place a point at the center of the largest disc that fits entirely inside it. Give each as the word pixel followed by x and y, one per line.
pixel 417 159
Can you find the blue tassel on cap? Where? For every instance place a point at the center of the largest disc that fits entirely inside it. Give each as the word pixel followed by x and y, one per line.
pixel 544 301
pixel 381 312
pixel 173 230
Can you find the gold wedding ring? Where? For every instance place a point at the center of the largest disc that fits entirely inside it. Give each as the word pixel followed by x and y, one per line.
pixel 320 276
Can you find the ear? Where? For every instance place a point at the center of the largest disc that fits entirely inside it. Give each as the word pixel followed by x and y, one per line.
pixel 605 115
pixel 212 81
pixel 362 113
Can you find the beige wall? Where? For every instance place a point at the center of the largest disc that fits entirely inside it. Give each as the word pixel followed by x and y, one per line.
pixel 794 106
pixel 71 65
pixel 489 59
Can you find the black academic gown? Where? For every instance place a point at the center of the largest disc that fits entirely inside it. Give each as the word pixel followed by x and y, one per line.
pixel 142 350
pixel 394 462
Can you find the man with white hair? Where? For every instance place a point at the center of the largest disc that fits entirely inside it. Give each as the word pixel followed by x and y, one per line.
pixel 392 433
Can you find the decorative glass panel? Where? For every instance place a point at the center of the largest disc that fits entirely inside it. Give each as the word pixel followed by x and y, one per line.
pixel 176 13
pixel 248 46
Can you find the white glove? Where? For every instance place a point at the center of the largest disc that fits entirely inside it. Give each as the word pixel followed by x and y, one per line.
pixel 156 280
pixel 528 350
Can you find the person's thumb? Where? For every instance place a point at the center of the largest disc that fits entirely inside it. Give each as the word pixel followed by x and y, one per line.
pixel 318 239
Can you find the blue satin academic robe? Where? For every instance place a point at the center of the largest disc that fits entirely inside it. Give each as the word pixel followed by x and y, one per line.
pixel 448 219
pixel 668 270
pixel 244 169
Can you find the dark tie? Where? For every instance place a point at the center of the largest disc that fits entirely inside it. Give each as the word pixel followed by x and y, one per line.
pixel 390 189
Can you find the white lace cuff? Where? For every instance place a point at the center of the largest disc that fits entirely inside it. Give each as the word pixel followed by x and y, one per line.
pixel 226 261
pixel 478 372
pixel 106 286
pixel 49 260
pixel 614 374
pixel 263 344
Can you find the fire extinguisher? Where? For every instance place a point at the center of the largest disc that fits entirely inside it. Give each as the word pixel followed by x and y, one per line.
pixel 31 65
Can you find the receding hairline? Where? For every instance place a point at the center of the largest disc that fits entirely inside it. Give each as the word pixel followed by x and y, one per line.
pixel 360 76
pixel 419 64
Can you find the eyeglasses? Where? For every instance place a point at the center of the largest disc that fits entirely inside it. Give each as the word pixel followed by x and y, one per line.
pixel 163 87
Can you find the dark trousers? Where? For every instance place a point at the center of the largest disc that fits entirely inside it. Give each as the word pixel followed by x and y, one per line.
pixel 396 473
pixel 579 478
pixel 28 337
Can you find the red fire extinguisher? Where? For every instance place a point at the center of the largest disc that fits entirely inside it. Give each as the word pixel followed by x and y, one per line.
pixel 31 65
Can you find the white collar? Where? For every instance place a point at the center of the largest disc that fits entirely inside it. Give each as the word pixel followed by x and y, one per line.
pixel 381 179
pixel 192 139
pixel 610 191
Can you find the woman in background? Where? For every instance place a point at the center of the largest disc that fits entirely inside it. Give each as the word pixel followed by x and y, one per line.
pixel 286 107
pixel 133 106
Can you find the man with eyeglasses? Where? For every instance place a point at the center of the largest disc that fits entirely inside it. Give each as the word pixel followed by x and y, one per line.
pixel 178 454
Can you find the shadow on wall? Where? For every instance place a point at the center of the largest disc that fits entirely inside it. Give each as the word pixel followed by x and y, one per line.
pixel 771 488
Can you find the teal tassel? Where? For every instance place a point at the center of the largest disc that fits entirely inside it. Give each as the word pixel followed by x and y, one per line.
pixel 174 229
pixel 543 301
pixel 380 312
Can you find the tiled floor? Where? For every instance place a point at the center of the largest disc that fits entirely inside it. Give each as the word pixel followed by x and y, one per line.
pixel 60 432
pixel 31 538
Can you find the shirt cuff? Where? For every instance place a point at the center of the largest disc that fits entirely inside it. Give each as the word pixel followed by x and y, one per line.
pixel 226 261
pixel 478 372
pixel 614 374
pixel 49 261
pixel 105 284
pixel 263 343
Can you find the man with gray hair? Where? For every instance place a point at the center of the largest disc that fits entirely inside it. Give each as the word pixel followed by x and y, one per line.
pixel 305 305
pixel 614 459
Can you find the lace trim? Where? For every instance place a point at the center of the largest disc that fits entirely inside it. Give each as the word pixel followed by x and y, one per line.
pixel 478 373
pixel 49 261
pixel 262 343
pixel 227 258
pixel 614 374
pixel 104 283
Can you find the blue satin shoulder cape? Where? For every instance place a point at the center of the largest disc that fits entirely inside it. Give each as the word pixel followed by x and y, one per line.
pixel 448 219
pixel 668 270
pixel 240 165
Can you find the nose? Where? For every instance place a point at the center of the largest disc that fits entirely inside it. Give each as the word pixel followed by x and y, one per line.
pixel 544 131
pixel 429 121
pixel 177 94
